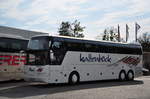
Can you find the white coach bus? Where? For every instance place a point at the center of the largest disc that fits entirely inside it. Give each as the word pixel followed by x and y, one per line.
pixel 11 61
pixel 53 59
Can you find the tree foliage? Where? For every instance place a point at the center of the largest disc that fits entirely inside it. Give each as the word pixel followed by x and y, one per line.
pixel 71 29
pixel 105 35
pixel 145 41
pixel 65 29
pixel 110 34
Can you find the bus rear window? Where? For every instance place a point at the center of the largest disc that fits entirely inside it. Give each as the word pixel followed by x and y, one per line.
pixel 37 58
pixel 12 45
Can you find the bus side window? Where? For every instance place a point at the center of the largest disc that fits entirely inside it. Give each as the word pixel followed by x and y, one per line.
pixel 16 46
pixel 3 45
pixel 87 47
pixel 73 46
pixel 101 49
pixel 91 47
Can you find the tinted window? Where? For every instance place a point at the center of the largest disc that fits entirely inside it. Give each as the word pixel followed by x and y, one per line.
pixel 39 43
pixel 73 46
pixel 101 47
pixel 37 58
pixel 3 44
pixel 12 45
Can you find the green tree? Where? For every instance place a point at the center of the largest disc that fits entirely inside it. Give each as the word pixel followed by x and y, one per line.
pixel 76 28
pixel 71 29
pixel 110 34
pixel 111 31
pixel 144 40
pixel 105 35
pixel 64 29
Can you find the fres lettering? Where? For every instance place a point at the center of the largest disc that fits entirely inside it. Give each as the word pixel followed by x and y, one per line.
pixel 12 60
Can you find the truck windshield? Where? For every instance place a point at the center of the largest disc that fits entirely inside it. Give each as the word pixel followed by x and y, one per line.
pixel 39 43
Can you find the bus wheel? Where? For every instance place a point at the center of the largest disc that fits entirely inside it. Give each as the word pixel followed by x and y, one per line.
pixel 130 75
pixel 74 78
pixel 122 76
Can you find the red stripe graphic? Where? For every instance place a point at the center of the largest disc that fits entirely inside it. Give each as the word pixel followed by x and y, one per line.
pixel 11 60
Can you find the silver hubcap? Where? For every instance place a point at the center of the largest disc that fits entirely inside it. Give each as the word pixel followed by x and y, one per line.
pixel 74 78
pixel 130 75
pixel 122 76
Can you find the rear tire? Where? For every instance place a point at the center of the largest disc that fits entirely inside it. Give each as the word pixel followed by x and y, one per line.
pixel 130 75
pixel 74 78
pixel 122 76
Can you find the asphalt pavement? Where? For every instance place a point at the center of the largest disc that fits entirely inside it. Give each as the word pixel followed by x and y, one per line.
pixel 137 89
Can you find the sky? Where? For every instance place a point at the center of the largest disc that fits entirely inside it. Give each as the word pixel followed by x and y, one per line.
pixel 95 15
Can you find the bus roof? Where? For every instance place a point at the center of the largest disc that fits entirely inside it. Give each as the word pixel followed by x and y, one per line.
pixel 12 36
pixel 83 40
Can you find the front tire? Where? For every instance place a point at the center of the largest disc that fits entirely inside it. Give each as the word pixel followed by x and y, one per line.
pixel 74 78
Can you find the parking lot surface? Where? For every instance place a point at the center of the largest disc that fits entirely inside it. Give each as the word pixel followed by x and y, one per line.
pixel 137 89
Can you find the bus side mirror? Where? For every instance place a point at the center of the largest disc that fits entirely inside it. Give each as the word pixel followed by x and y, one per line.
pixel 52 55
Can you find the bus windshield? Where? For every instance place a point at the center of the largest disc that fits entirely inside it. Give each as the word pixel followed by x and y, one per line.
pixel 39 43
pixel 38 48
pixel 35 57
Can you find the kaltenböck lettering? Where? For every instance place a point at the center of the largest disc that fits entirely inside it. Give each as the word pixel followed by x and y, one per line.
pixel 99 58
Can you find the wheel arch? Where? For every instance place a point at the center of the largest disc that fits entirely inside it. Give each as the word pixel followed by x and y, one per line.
pixel 130 70
pixel 123 70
